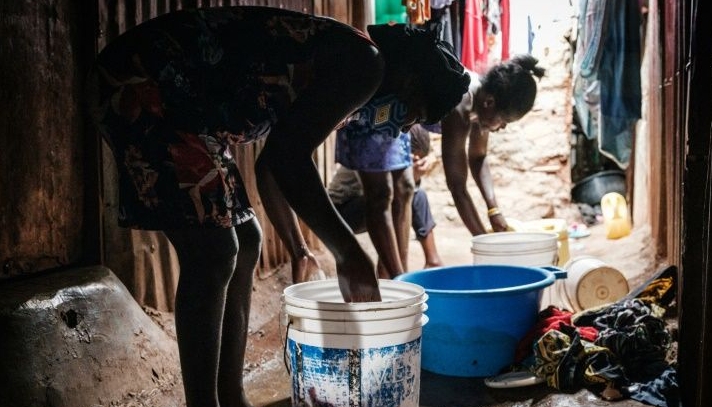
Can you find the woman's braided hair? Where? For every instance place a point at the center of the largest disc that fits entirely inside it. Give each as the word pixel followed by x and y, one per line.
pixel 512 85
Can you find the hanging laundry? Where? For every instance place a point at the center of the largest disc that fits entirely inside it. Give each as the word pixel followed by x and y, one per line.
pixel 418 11
pixel 591 20
pixel 474 33
pixel 619 74
pixel 607 85
pixel 494 34
pixel 504 24
pixel 440 14
pixel 485 34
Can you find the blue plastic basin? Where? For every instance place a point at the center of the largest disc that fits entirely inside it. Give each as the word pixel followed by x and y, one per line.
pixel 478 314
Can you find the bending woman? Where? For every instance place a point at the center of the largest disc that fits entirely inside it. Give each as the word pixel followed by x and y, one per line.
pixel 174 95
pixel 503 95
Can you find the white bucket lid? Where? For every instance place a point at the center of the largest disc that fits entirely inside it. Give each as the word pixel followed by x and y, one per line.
pixel 592 283
pixel 325 295
pixel 514 242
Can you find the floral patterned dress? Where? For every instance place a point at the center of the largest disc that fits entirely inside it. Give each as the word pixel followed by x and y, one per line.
pixel 171 95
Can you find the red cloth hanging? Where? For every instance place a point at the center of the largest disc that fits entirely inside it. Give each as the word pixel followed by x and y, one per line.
pixel 504 24
pixel 474 34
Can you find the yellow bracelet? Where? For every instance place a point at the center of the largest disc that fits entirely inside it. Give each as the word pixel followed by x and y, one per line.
pixel 493 211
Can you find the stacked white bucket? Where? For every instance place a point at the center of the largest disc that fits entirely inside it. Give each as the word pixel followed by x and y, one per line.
pixel 590 282
pixel 530 249
pixel 354 354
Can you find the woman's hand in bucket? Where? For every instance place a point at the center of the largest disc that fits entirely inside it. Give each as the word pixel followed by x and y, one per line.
pixel 357 279
pixel 499 223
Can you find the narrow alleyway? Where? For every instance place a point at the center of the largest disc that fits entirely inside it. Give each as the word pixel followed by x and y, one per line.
pixel 531 167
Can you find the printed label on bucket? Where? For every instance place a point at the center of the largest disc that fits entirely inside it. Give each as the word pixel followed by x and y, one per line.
pixel 368 377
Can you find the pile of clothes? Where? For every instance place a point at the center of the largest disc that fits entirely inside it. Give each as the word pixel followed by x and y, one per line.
pixel 620 350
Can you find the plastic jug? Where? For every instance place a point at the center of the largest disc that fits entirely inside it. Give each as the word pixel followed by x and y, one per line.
pixel 616 217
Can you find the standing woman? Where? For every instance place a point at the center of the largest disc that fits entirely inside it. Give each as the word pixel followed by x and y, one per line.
pixel 174 95
pixel 375 140
pixel 503 95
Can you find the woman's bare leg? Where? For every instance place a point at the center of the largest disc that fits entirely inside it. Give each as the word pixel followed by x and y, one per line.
pixel 231 391
pixel 207 260
pixel 430 250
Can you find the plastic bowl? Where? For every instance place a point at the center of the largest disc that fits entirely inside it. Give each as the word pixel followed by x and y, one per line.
pixel 591 189
pixel 478 314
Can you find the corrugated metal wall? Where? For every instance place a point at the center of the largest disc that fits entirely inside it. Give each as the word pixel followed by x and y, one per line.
pixel 144 260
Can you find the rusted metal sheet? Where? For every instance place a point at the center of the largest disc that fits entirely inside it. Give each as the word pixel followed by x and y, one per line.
pixel 42 167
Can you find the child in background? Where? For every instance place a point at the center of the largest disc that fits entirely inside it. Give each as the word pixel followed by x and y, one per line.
pixel 346 192
pixel 423 222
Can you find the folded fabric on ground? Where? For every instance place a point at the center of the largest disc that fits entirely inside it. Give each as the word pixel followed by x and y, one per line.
pixel 550 318
pixel 629 354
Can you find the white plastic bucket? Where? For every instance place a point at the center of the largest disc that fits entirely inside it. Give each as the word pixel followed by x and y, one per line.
pixel 557 226
pixel 591 283
pixel 346 354
pixel 531 249
pixel 534 249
